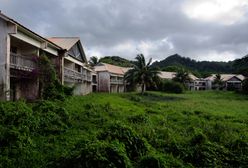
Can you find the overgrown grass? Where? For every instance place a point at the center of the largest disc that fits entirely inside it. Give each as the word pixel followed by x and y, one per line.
pixel 195 129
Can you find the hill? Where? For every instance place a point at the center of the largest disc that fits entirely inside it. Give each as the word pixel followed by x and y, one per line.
pixel 241 65
pixel 116 60
pixel 193 65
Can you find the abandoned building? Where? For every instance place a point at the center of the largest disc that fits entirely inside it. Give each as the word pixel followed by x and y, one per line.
pixel 19 49
pixel 110 78
pixel 76 73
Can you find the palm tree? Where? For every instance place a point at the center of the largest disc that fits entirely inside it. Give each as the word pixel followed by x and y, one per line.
pixel 218 81
pixel 94 61
pixel 142 73
pixel 182 76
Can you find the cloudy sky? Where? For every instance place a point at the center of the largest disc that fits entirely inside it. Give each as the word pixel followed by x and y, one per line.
pixel 199 29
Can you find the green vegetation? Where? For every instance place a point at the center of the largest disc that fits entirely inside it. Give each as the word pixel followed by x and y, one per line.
pixel 195 129
pixel 142 73
pixel 50 86
pixel 203 68
pixel 170 86
pixel 116 60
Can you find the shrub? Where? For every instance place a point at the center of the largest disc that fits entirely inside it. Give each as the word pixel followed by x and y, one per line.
pixel 98 154
pixel 171 87
pixel 51 117
pixel 159 161
pixel 245 86
pixel 138 119
pixel 135 145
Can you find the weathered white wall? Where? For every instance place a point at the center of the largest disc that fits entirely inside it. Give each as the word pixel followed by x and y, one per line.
pixel 5 29
pixel 103 82
pixel 3 54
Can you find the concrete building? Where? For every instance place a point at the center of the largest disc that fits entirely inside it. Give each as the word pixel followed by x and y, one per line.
pixel 110 78
pixel 170 75
pixel 19 50
pixel 230 81
pixel 76 72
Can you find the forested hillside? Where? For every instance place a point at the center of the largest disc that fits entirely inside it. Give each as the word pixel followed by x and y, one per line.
pixel 200 66
pixel 116 60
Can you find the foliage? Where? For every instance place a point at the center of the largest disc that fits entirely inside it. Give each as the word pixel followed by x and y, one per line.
pixel 182 76
pixel 171 87
pixel 194 129
pixel 50 86
pixel 159 161
pixel 142 73
pixel 241 65
pixel 116 60
pixel 218 82
pixel 98 154
pixel 193 65
pixel 93 61
pixel 245 86
pixel 135 145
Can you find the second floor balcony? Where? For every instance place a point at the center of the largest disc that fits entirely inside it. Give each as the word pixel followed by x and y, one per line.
pixel 117 81
pixel 22 62
pixel 72 75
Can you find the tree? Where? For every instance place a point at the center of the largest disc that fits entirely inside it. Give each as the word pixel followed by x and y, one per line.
pixel 142 73
pixel 182 76
pixel 218 82
pixel 245 86
pixel 94 61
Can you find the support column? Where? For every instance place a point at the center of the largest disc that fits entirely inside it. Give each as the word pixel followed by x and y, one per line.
pixel 7 70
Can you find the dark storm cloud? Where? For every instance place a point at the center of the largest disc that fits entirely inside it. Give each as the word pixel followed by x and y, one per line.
pixel 156 28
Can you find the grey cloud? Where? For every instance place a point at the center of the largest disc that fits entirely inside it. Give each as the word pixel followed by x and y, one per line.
pixel 115 27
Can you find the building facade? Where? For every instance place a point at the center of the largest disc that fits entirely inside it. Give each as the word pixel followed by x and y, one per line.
pixel 110 78
pixel 19 51
pixel 76 72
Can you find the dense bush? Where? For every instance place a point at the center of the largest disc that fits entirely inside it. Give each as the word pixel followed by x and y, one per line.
pixel 196 129
pixel 50 86
pixel 52 118
pixel 135 145
pixel 171 87
pixel 159 161
pixel 99 154
pixel 245 86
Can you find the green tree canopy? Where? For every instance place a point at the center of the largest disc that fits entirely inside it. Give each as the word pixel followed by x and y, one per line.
pixel 142 73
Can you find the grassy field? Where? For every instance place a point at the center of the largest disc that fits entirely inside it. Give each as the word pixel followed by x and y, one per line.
pixel 195 129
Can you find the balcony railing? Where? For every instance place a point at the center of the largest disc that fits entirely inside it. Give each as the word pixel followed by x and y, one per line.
pixel 22 62
pixel 115 81
pixel 72 75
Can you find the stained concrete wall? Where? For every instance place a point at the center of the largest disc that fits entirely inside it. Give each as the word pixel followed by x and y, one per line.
pixel 3 56
pixel 104 82
pixel 5 29
pixel 80 88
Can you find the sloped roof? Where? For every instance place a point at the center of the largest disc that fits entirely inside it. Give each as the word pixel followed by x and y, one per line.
pixel 65 42
pixel 193 77
pixel 171 75
pixel 167 75
pixel 111 68
pixel 226 77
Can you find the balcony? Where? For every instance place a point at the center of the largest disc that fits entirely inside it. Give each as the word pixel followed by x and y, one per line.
pixel 72 75
pixel 115 81
pixel 21 62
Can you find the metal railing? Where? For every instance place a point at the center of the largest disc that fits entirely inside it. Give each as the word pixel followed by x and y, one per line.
pixel 22 62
